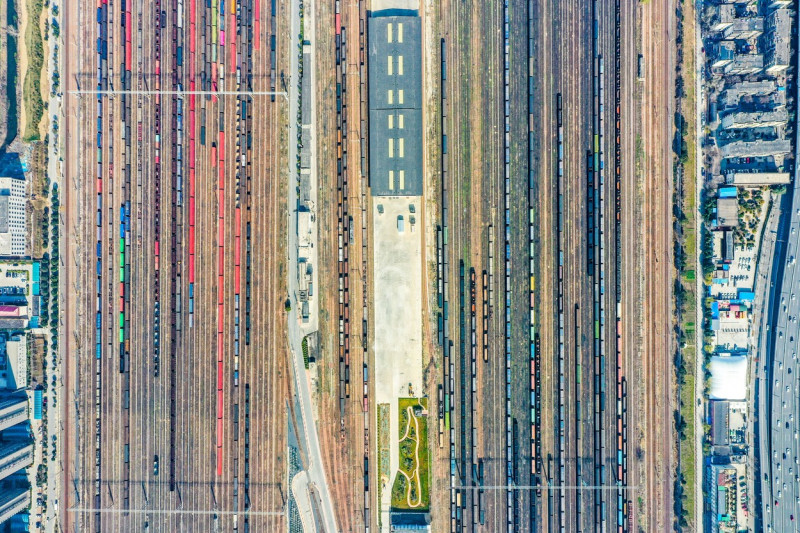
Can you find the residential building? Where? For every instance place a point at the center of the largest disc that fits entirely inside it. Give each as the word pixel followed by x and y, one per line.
pixel 776 43
pixel 14 456
pixel 721 16
pixel 735 93
pixel 724 53
pixel 13 410
pixel 744 28
pixel 14 498
pixel 777 117
pixel 756 148
pixel 744 65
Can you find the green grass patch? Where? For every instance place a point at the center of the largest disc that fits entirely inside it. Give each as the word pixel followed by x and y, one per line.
pixel 384 450
pixel 411 488
pixel 31 89
pixel 685 486
pixel 687 438
pixel 305 351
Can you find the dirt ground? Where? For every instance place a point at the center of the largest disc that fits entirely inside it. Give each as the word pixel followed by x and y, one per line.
pixel 22 61
pixel 647 248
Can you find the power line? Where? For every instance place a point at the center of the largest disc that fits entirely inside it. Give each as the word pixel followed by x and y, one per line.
pixel 150 92
pixel 84 510
pixel 543 487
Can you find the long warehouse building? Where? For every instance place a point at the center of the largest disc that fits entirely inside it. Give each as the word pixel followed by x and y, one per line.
pixel 395 104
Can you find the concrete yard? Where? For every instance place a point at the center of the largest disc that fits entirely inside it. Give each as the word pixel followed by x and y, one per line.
pixel 398 318
pixel 398 301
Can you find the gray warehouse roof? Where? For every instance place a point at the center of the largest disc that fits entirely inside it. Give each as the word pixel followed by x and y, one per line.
pixel 395 106
pixel 719 423
pixel 727 212
pixel 757 179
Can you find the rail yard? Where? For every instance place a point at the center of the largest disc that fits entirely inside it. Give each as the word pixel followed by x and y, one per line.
pixel 551 452
pixel 178 388
pixel 500 280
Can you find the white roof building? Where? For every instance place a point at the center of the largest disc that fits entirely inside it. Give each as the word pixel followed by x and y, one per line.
pixel 728 377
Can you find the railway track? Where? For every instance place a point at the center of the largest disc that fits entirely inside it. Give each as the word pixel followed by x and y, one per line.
pixel 511 517
pixel 134 153
pixel 534 346
pixel 344 218
pixel 446 420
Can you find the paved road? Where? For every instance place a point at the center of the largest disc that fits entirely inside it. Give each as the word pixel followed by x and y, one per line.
pixel 780 401
pixel 700 103
pixel 55 170
pixel 315 470
pixel 778 394
pixel 765 272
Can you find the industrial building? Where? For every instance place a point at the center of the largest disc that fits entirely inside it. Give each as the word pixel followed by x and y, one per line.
pixel 719 423
pixel 727 212
pixel 757 179
pixel 13 225
pixel 726 498
pixel 728 248
pixel 776 42
pixel 395 105
pixel 728 377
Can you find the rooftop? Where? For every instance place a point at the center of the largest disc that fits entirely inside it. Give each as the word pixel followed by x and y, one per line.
pixel 719 423
pixel 743 64
pixel 734 93
pixel 727 212
pixel 756 148
pixel 395 105
pixel 777 40
pixel 728 377
pixel 744 28
pixel 757 179
pixel 756 119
